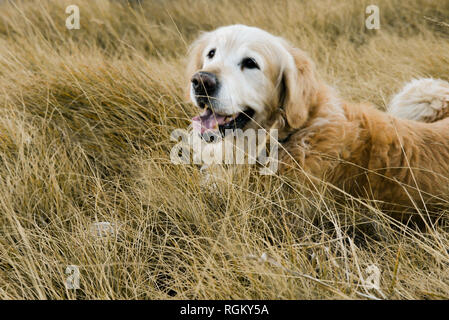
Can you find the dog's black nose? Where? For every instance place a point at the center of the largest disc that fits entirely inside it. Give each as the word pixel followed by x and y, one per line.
pixel 204 83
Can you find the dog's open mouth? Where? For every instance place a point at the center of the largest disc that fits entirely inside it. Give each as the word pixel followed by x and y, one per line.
pixel 211 121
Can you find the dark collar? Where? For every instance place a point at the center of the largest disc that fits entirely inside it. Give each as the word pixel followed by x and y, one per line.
pixel 286 138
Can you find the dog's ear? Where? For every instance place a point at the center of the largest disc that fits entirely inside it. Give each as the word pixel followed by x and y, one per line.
pixel 195 58
pixel 300 87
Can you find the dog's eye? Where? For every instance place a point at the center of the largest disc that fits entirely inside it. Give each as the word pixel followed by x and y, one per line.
pixel 211 54
pixel 249 63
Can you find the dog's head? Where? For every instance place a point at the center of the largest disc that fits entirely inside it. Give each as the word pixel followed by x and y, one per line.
pixel 244 77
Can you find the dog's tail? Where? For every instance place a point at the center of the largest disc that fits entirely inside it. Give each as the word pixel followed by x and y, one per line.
pixel 425 100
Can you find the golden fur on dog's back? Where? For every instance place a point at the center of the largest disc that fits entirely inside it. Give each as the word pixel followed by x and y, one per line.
pixel 372 153
pixel 365 151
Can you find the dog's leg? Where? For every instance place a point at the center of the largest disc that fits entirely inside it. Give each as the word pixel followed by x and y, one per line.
pixel 425 100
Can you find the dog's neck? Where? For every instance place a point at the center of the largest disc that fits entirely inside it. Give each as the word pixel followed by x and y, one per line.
pixel 325 103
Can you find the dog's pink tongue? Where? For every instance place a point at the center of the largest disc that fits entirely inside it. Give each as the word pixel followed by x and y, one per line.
pixel 207 121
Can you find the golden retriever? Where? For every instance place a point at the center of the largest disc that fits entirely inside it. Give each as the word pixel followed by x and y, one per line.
pixel 243 77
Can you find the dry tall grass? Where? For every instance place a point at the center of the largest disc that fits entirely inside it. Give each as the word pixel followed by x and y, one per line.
pixel 85 122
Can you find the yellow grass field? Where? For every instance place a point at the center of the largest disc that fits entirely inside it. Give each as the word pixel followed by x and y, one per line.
pixel 85 124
